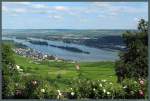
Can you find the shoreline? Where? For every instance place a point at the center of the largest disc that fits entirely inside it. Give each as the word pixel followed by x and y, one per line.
pixel 95 54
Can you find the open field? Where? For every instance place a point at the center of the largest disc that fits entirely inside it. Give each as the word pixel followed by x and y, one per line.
pixel 62 72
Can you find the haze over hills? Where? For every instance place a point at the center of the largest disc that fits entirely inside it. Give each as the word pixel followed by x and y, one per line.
pixel 109 39
pixel 63 32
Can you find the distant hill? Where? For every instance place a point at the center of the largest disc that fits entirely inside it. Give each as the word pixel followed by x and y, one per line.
pixel 60 32
pixel 94 38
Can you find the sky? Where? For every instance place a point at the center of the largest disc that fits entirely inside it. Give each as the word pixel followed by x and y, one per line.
pixel 73 15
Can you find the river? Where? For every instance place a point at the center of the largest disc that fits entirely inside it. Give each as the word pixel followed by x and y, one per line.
pixel 95 54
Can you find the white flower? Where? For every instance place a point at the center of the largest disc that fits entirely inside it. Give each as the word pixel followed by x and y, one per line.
pixel 94 89
pixel 132 92
pixel 108 93
pixel 16 84
pixel 142 82
pixel 100 85
pixel 59 93
pixel 43 90
pixel 18 67
pixel 103 80
pixel 104 90
pixel 110 83
pixel 34 82
pixel 125 87
pixel 71 88
pixel 72 93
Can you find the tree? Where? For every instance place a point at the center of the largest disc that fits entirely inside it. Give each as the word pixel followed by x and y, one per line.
pixel 133 62
pixel 7 59
pixel 8 71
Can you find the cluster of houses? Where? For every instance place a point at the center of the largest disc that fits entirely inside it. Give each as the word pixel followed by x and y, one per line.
pixel 28 52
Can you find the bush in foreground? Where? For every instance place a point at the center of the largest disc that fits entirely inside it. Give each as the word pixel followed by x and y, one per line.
pixel 133 62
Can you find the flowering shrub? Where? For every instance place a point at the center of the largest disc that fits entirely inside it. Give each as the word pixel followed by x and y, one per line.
pixel 8 87
pixel 103 89
pixel 135 89
pixel 40 89
pixel 114 91
pixel 96 89
pixel 80 89
pixel 18 86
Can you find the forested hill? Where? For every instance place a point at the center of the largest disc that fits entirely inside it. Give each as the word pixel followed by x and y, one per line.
pixel 109 42
pixel 111 39
pixel 113 42
pixel 62 32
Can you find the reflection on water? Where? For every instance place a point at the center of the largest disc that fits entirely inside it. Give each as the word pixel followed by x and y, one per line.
pixel 95 54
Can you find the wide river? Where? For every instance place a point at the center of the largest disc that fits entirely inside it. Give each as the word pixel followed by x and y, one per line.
pixel 95 54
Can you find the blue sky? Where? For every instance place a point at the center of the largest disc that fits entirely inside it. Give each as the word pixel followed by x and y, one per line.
pixel 73 15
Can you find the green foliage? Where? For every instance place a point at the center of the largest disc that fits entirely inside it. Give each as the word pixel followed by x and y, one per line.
pixel 7 55
pixel 8 87
pixel 103 89
pixel 133 62
pixel 133 88
pixel 143 26
pixel 8 72
pixel 58 76
pixel 41 89
pixel 8 61
pixel 100 89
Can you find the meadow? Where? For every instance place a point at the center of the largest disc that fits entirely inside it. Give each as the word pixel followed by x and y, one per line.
pixel 62 72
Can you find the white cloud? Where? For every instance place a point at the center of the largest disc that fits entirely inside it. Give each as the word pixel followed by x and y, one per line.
pixel 102 4
pixel 136 19
pixel 25 3
pixel 13 11
pixel 4 9
pixel 60 8
pixel 55 16
pixel 126 9
pixel 101 16
pixel 113 9
pixel 19 10
pixel 14 14
pixel 135 10
pixel 19 3
pixel 100 9
pixel 40 6
pixel 84 20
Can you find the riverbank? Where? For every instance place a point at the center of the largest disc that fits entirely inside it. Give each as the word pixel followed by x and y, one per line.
pixel 28 52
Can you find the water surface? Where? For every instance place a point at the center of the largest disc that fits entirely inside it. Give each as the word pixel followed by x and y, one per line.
pixel 95 54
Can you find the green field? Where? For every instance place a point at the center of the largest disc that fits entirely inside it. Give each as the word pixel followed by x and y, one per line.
pixel 63 72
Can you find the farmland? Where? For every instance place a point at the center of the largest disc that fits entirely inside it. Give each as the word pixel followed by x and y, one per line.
pixel 62 72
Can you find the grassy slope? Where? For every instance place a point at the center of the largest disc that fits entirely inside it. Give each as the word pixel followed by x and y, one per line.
pixel 49 70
